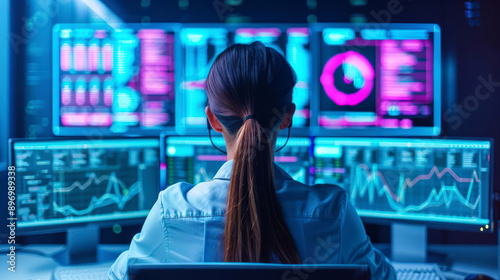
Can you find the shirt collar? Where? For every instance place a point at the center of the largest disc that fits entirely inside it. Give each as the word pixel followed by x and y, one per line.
pixel 224 172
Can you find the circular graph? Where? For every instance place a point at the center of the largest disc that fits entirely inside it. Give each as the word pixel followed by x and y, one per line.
pixel 357 70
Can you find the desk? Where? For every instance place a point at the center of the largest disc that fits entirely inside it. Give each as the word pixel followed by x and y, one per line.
pixel 469 259
pixel 464 258
pixel 33 266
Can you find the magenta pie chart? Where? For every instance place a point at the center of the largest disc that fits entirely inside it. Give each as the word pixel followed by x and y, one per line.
pixel 362 65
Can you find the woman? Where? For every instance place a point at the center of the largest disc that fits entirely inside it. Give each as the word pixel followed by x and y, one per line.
pixel 252 211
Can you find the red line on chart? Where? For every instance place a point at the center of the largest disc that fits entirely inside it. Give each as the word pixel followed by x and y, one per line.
pixel 411 183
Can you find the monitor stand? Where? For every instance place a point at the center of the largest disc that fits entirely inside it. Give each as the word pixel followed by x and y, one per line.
pixel 409 244
pixel 82 247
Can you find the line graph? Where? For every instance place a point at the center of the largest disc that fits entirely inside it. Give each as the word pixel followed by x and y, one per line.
pixel 115 193
pixel 424 180
pixel 437 191
pixel 92 179
pixel 70 182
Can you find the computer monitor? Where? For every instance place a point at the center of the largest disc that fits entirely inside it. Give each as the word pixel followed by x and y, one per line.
pixel 422 180
pixel 195 160
pixel 202 43
pixel 67 185
pixel 113 80
pixel 246 271
pixel 412 183
pixel 376 79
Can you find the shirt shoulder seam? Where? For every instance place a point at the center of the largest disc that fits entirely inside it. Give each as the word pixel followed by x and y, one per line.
pixel 165 231
pixel 342 221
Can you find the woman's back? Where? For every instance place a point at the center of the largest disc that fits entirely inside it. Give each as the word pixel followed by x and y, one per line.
pixel 308 211
pixel 187 225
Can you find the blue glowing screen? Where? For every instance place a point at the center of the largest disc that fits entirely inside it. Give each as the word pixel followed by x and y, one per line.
pixel 195 160
pixel 200 47
pixel 63 182
pixel 410 179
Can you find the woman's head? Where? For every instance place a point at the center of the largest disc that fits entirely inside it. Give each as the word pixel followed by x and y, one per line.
pixel 252 80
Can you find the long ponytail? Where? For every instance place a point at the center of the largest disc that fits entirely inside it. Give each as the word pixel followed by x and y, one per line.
pixel 255 226
pixel 257 80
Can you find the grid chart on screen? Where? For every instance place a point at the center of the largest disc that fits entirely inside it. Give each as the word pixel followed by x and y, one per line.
pixel 413 179
pixel 63 182
pixel 114 80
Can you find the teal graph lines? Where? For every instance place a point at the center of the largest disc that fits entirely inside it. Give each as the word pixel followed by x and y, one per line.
pixel 92 179
pixel 115 193
pixel 445 195
pixel 373 184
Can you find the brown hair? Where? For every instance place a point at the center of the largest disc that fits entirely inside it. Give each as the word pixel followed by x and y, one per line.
pixel 253 80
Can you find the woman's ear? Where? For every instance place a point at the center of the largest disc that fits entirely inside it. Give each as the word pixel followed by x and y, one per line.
pixel 288 117
pixel 212 119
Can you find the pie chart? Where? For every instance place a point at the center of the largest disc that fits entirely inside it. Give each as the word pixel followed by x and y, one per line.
pixel 357 70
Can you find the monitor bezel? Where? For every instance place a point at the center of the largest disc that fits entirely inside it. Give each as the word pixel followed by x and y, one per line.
pixel 439 224
pixel 435 130
pixel 195 131
pixel 55 228
pixel 57 128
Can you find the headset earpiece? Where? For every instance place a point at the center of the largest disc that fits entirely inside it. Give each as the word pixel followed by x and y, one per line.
pixel 209 127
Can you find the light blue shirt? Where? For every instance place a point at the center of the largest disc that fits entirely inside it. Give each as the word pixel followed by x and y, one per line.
pixel 186 224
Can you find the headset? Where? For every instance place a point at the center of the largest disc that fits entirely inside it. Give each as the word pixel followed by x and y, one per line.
pixel 209 127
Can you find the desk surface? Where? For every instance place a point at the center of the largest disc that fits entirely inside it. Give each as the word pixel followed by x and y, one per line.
pixel 30 265
pixel 35 261
pixel 467 259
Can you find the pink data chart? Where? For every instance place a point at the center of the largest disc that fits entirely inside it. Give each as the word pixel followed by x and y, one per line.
pixel 94 57
pixel 157 62
pixel 90 95
pixel 405 80
pixel 66 56
pixel 406 70
pixel 80 56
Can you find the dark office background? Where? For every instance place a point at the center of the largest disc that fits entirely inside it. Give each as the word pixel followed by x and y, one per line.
pixel 470 57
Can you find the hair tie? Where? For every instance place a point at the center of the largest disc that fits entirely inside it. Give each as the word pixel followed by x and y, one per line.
pixel 248 117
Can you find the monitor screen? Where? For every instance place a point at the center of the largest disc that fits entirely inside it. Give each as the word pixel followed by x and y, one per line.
pixel 113 81
pixel 381 81
pixel 67 182
pixel 426 180
pixel 195 160
pixel 202 44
